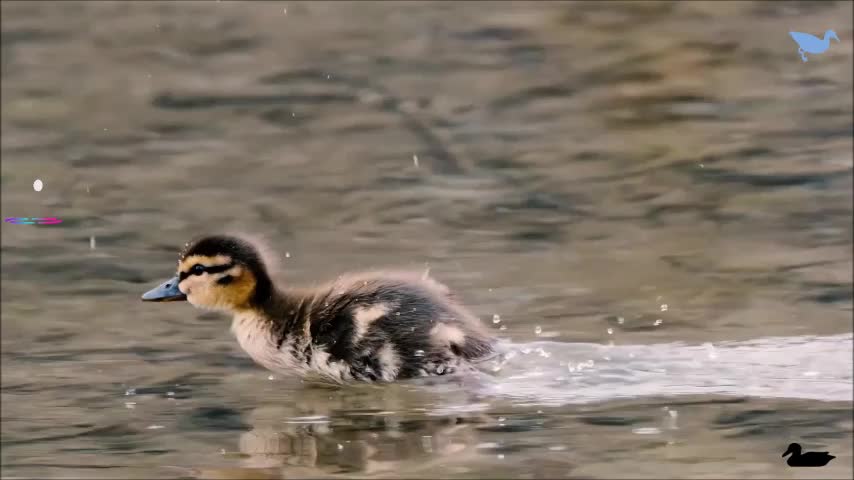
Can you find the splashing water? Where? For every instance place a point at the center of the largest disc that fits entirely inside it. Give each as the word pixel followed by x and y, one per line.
pixel 552 373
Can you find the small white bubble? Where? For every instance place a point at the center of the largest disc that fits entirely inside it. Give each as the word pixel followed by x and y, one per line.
pixel 500 456
pixel 271 377
pixel 621 320
pixel 663 307
pixel 91 243
pixel 340 447
pixel 503 327
pixel 658 322
pixel 415 160
pixel 287 254
pixel 170 394
pixel 702 166
pixel 440 369
pixel 496 318
pixel 155 427
pixel 221 450
pixel 37 185
pixel 538 330
pixel 501 419
pixel 610 331
pixel 419 353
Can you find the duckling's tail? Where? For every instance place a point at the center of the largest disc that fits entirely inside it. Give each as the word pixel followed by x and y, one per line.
pixel 477 348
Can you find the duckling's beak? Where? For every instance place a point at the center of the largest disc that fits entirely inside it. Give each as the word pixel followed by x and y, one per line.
pixel 165 292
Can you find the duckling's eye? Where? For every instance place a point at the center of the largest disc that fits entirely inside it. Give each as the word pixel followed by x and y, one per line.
pixel 197 269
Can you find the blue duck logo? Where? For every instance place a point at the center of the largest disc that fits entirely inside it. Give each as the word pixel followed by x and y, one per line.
pixel 812 44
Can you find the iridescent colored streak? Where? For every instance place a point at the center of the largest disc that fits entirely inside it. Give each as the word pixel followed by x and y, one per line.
pixel 19 221
pixel 32 221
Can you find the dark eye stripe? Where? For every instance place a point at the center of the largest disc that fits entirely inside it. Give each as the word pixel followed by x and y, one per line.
pixel 211 269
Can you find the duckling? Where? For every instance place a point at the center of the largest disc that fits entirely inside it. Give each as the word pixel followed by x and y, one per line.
pixel 370 327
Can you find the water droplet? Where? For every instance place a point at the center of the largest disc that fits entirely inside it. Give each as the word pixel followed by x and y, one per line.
pixel 37 185
pixel 503 327
pixel 287 254
pixel 286 11
pixel 440 369
pixel 340 447
pixel 663 307
pixel 419 353
pixel 170 394
pixel 415 160
pixel 538 330
pixel 557 448
pixel 610 331
pixel 130 405
pixel 91 243
pixel 657 322
pixel 155 427
pixel 271 377
pixel 496 318
pixel 621 320
pixel 130 391
pixel 501 419
pixel 500 456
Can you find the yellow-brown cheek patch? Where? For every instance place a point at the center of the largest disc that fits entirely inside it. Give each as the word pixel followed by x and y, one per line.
pixel 236 293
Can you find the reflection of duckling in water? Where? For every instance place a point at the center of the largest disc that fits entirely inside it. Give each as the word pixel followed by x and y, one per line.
pixel 377 326
pixel 368 444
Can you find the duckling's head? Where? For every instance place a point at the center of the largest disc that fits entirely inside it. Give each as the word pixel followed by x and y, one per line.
pixel 218 272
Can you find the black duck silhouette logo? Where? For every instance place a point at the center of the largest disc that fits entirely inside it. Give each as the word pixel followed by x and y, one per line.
pixel 809 459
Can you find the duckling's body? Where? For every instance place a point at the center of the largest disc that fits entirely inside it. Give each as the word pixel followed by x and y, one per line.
pixel 373 326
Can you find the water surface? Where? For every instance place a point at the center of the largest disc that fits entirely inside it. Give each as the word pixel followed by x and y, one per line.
pixel 654 198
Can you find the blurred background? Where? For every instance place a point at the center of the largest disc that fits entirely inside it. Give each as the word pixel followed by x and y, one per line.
pixel 617 173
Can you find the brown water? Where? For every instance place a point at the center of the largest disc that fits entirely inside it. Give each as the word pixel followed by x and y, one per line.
pixel 654 198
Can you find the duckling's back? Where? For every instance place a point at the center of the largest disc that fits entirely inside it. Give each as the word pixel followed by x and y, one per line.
pixel 394 325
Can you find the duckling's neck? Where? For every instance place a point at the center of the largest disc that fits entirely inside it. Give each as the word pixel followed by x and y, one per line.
pixel 274 330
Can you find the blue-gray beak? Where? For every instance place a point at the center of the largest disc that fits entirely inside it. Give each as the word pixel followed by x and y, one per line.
pixel 165 292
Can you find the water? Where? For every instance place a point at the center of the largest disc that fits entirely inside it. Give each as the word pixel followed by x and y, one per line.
pixel 653 200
